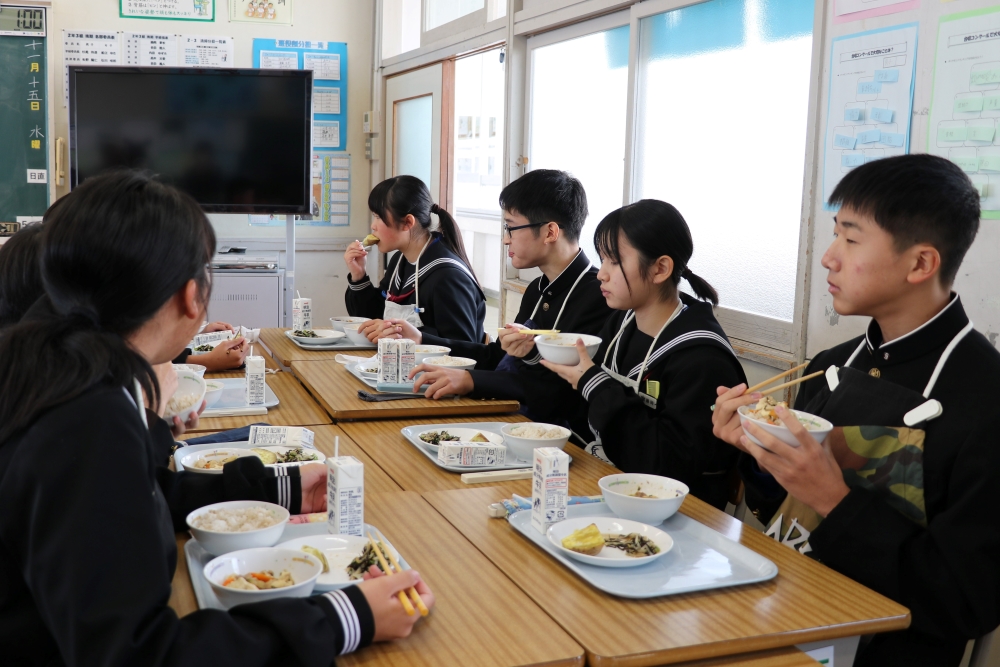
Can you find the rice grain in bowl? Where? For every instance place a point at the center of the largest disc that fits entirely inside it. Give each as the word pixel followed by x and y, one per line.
pixel 522 439
pixel 237 524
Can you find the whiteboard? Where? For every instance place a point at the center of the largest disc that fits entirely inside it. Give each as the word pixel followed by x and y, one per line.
pixel 978 280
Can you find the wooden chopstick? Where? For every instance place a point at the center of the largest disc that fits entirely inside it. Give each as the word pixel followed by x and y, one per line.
pixel 792 383
pixel 413 591
pixel 388 572
pixel 532 332
pixel 776 377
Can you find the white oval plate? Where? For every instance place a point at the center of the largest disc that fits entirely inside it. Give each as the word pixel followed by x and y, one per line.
pixel 339 550
pixel 609 557
pixel 323 337
pixel 189 460
pixel 465 435
pixel 281 449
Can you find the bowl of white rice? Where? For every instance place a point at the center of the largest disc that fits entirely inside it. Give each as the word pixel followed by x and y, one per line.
pixel 463 363
pixel 523 438
pixel 424 352
pixel 187 398
pixel 197 369
pixel 237 524
pixel 561 348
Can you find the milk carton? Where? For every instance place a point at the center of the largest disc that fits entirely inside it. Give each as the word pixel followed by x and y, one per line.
pixel 407 358
pixel 287 436
pixel 388 353
pixel 345 495
pixel 549 486
pixel 255 381
pixel 301 314
pixel 471 454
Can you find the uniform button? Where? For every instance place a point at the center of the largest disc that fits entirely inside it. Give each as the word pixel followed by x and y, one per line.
pixel 545 307
pixel 886 356
pixel 875 373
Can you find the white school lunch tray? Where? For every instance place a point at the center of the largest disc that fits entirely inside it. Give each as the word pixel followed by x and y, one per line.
pixel 411 433
pixel 198 558
pixel 701 559
pixel 234 397
pixel 371 381
pixel 183 452
pixel 342 344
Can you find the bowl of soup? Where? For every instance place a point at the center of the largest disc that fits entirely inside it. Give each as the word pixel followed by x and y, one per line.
pixel 561 348
pixel 763 415
pixel 650 499
pixel 253 575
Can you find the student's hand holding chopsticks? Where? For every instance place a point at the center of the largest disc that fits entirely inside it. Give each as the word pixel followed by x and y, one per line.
pixel 371 329
pixel 382 592
pixel 514 343
pixel 725 420
pixel 808 472
pixel 572 374
pixel 356 257
pixel 400 329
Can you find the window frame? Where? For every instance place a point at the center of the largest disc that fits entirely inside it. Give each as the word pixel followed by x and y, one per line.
pixel 786 339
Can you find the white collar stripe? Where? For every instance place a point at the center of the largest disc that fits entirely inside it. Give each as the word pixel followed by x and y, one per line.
pixel 691 335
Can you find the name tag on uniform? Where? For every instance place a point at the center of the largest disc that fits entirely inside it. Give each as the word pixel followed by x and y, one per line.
pixel 653 388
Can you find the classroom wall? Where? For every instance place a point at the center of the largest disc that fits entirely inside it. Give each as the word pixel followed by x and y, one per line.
pixel 320 271
pixel 979 277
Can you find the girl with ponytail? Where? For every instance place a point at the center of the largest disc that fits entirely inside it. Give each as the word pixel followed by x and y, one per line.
pixel 645 397
pixel 429 283
pixel 87 538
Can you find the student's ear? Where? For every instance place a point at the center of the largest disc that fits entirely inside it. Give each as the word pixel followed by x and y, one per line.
pixel 552 232
pixel 190 300
pixel 662 269
pixel 408 222
pixel 925 263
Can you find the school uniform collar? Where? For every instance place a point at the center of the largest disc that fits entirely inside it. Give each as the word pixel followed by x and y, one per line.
pixel 933 334
pixel 566 278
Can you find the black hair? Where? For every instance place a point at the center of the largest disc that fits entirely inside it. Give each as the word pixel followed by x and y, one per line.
pixel 116 250
pixel 917 198
pixel 654 228
pixel 20 275
pixel 395 198
pixel 548 195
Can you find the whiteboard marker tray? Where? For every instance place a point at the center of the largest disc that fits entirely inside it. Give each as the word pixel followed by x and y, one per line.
pixel 411 433
pixel 700 560
pixel 234 397
pixel 197 558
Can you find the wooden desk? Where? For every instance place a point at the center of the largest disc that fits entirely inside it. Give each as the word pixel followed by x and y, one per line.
pixel 480 618
pixel 806 602
pixel 779 657
pixel 295 408
pixel 382 441
pixel 337 391
pixel 286 351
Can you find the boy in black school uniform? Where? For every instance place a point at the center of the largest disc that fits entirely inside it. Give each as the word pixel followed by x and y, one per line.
pixel 544 212
pixel 901 496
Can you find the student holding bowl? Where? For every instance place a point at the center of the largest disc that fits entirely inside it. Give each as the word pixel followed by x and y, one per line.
pixel 901 495
pixel 662 353
pixel 89 548
pixel 429 282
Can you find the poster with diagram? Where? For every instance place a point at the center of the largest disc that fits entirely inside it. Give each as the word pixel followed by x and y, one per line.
pixel 965 100
pixel 870 99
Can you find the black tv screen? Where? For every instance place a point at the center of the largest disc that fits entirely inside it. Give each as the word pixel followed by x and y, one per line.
pixel 237 140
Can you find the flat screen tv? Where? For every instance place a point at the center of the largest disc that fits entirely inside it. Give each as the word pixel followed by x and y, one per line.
pixel 237 140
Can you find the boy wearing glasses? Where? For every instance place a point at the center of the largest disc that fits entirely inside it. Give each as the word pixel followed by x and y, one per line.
pixel 901 495
pixel 543 213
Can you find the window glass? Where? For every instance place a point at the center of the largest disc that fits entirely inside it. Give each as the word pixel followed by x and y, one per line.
pixel 723 95
pixel 478 173
pixel 400 26
pixel 412 139
pixel 579 92
pixel 440 12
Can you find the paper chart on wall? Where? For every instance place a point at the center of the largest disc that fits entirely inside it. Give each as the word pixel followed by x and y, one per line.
pixel 148 49
pixel 206 51
pixel 89 47
pixel 870 99
pixel 854 6
pixel 965 100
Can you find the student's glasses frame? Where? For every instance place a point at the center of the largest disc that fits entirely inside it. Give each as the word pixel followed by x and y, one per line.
pixel 508 230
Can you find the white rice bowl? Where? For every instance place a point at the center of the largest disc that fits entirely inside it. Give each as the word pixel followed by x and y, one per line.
pixel 237 524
